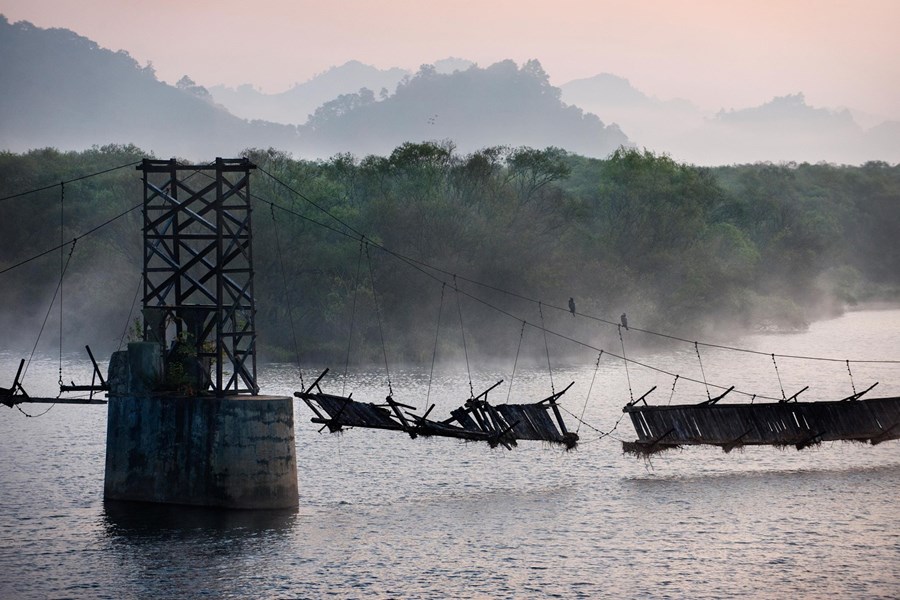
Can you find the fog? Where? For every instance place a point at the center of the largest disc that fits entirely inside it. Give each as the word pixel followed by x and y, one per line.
pixel 66 91
pixel 488 171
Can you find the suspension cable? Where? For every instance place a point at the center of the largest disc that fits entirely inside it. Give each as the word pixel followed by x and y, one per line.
pixel 287 299
pixel 702 372
pixel 849 372
pixel 547 348
pixel 424 268
pixel 434 352
pixel 62 203
pixel 74 179
pixel 672 393
pixel 462 330
pixel 49 310
pixel 378 315
pixel 602 433
pixel 590 388
pixel 421 265
pixel 780 385
pixel 625 361
pixel 515 362
pixel 352 315
pixel 75 239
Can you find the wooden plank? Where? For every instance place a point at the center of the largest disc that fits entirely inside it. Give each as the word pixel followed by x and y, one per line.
pixel 782 423
pixel 32 400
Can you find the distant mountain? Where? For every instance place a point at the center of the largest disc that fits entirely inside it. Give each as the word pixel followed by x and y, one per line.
pixel 883 141
pixel 296 104
pixel 783 129
pixel 652 123
pixel 498 105
pixel 605 90
pixel 448 66
pixel 63 90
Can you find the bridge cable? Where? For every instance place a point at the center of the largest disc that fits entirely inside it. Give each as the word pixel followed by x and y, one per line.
pixel 590 388
pixel 49 310
pixel 62 202
pixel 672 393
pixel 378 315
pixel 287 299
pixel 703 373
pixel 852 385
pixel 566 337
pixel 515 362
pixel 462 331
pixel 434 352
pixel 602 433
pixel 783 396
pixel 412 262
pixel 352 316
pixel 74 179
pixel 418 266
pixel 547 348
pixel 75 239
pixel 625 360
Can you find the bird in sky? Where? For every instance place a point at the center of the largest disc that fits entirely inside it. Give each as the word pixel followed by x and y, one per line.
pixel 572 306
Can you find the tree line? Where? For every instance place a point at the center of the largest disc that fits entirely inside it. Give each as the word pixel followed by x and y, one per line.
pixel 681 249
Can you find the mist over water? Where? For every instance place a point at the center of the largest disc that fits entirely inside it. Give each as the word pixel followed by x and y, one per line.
pixel 385 516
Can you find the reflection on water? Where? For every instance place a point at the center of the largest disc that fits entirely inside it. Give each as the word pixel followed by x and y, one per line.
pixel 385 516
pixel 133 520
pixel 162 551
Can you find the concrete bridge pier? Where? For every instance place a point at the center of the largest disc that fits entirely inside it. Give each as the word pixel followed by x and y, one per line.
pixel 234 451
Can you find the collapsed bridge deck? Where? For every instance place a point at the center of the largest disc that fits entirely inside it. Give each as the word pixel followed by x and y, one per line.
pixel 476 420
pixel 800 424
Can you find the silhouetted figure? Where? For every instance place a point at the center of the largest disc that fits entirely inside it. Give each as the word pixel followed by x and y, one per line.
pixel 572 306
pixel 624 320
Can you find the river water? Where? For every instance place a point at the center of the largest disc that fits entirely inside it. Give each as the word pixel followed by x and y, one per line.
pixel 385 516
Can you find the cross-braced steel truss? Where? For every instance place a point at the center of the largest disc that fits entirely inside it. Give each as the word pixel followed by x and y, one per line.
pixel 198 266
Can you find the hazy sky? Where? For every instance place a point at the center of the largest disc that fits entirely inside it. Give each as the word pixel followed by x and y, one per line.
pixel 716 53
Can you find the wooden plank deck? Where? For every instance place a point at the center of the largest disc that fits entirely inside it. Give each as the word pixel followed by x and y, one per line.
pixel 777 424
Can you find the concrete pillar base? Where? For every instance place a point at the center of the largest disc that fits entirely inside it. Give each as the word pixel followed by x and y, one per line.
pixel 233 452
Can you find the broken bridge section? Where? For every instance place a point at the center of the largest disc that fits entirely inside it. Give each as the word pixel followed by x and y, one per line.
pixel 799 424
pixel 477 420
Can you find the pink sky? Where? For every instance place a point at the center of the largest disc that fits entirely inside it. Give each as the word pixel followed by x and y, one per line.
pixel 716 53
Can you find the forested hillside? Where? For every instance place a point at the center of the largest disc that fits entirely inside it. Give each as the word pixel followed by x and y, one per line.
pixel 64 91
pixel 681 249
pixel 499 104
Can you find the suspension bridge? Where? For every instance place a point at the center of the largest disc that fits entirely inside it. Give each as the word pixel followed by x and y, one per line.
pixel 195 368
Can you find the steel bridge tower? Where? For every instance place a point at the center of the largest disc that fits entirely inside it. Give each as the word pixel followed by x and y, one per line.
pixel 186 423
pixel 198 268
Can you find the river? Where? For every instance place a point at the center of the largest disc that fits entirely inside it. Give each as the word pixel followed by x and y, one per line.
pixel 385 516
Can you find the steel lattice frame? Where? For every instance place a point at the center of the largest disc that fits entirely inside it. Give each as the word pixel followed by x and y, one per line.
pixel 198 264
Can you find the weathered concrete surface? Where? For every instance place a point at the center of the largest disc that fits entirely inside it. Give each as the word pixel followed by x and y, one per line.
pixel 136 371
pixel 235 452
